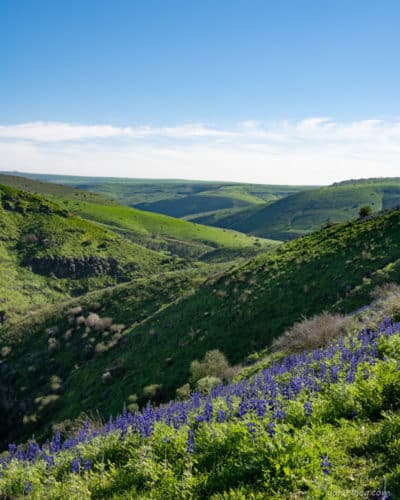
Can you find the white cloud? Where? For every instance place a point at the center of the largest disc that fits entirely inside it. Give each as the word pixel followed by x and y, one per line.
pixel 316 150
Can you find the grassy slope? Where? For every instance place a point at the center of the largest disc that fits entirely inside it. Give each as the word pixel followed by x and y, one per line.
pixel 178 198
pixel 345 444
pixel 306 211
pixel 239 313
pixel 32 227
pixel 155 231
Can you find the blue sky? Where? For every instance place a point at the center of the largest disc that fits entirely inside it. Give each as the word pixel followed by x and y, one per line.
pixel 223 88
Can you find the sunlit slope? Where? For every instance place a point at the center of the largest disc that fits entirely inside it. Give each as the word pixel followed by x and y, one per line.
pixel 306 211
pixel 48 253
pixel 177 198
pixel 155 231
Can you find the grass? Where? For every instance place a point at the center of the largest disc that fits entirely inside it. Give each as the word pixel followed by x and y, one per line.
pixel 154 231
pixel 177 198
pixel 339 441
pixel 35 230
pixel 239 312
pixel 306 211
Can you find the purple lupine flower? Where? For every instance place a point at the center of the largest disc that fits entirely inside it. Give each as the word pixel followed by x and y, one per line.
pixel 251 427
pixel 190 441
pixel 308 409
pixel 28 488
pixel 326 465
pixel 87 465
pixel 76 465
pixel 271 429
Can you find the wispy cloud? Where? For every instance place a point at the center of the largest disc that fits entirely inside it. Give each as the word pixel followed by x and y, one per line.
pixel 60 132
pixel 315 150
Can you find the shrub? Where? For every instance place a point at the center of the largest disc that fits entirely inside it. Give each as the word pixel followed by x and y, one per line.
pixel 52 345
pixel 55 383
pixel 133 405
pixel 101 347
pixel 214 364
pixel 68 334
pixel 80 320
pixel 74 311
pixel 31 238
pixel 103 324
pixel 311 333
pixel 52 331
pixel 152 391
pixel 205 384
pixel 92 320
pixel 365 210
pixel 183 392
pixel 5 351
pixel 106 376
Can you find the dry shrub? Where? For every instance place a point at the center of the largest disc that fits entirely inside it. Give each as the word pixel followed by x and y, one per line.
pixel 106 377
pixel 103 324
pixel 74 311
pixel 386 304
pixel 311 333
pixel 52 331
pixel 55 383
pixel 44 401
pixel 80 320
pixel 92 320
pixel 52 345
pixel 117 328
pixel 101 347
pixel 68 334
pixel 388 290
pixel 5 351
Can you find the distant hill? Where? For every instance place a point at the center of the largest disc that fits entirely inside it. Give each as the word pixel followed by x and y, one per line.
pixel 154 231
pixel 306 211
pixel 177 198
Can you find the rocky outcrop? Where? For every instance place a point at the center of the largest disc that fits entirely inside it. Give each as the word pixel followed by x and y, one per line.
pixel 74 267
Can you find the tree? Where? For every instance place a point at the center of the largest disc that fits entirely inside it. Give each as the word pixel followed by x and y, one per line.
pixel 365 210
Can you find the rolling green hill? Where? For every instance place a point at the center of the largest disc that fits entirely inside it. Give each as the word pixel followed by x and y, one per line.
pixel 155 231
pixel 48 253
pixel 177 198
pixel 306 211
pixel 239 312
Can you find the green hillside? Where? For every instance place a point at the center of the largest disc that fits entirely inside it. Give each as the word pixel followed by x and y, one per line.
pixel 306 211
pixel 177 198
pixel 240 312
pixel 48 253
pixel 155 231
pixel 322 424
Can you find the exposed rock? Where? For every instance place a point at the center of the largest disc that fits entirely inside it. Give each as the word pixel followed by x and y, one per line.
pixel 73 267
